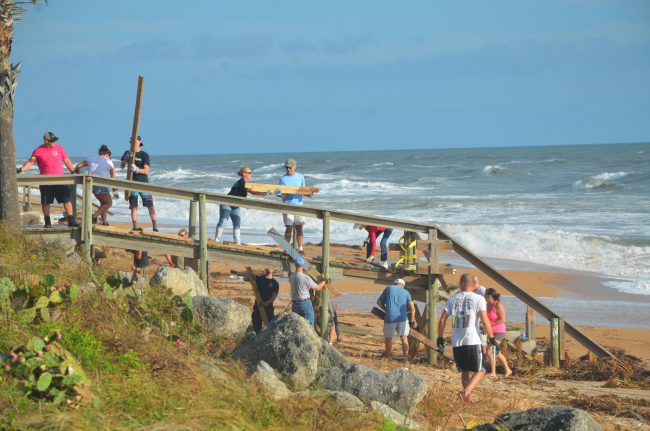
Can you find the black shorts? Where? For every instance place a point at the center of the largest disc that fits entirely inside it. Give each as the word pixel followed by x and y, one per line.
pixel 469 358
pixel 60 192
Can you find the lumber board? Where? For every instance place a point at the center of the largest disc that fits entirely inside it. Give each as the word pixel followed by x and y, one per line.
pixel 355 330
pixel 276 188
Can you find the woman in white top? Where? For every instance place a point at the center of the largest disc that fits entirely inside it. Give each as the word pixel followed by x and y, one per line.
pixel 100 166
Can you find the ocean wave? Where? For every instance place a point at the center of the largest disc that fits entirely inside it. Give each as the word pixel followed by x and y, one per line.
pixel 375 165
pixel 366 187
pixel 271 167
pixel 603 181
pixel 494 169
pixel 188 174
pixel 559 248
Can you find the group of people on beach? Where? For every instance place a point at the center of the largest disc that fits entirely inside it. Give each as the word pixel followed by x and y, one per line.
pixel 50 156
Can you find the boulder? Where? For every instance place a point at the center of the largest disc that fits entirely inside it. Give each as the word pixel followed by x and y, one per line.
pixel 347 401
pixel 222 317
pixel 66 246
pixel 180 281
pixel 292 348
pixel 214 372
pixel 127 276
pixel 397 418
pixel 549 418
pixel 30 218
pixel 400 389
pixel 265 376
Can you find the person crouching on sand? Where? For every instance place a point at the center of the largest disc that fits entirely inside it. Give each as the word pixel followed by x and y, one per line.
pixel 464 308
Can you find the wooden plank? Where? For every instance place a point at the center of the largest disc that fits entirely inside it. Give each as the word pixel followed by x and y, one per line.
pixel 258 297
pixel 427 268
pixel 203 243
pixel 276 188
pixel 423 245
pixel 355 330
pixel 87 231
pixel 555 342
pixel 531 323
pixel 172 236
pixel 325 269
pixel 134 131
pixel 412 281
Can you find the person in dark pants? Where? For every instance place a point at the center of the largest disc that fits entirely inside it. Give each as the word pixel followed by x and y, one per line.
pixel 140 264
pixel 268 288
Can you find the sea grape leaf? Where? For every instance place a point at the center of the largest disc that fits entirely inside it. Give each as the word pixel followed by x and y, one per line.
pixel 39 344
pixel 44 382
pixel 45 314
pixel 48 280
pixel 55 297
pixel 74 292
pixel 43 301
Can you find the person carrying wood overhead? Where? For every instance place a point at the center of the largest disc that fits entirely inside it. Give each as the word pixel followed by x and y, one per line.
pixel 268 288
pixel 49 157
pixel 140 168
pixel 394 300
pixel 292 221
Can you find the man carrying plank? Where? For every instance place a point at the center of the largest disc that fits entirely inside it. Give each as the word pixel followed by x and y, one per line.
pixel 140 166
pixel 268 289
pixel 291 221
pixel 394 299
pixel 301 284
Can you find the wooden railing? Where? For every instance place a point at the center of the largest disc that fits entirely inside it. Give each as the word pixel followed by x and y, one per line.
pixel 201 198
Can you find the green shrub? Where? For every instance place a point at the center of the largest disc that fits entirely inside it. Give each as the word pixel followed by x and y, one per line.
pixel 85 347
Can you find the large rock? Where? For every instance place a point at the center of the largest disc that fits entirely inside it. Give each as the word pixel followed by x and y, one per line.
pixel 400 389
pixel 397 418
pixel 265 376
pixel 222 317
pixel 347 401
pixel 292 348
pixel 550 418
pixel 180 281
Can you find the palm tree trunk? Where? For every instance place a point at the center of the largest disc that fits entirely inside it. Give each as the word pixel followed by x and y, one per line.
pixel 8 75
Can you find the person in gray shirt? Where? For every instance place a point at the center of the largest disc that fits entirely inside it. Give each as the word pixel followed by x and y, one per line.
pixel 301 284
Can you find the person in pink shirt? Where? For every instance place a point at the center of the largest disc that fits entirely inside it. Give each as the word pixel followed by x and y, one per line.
pixel 49 157
pixel 497 315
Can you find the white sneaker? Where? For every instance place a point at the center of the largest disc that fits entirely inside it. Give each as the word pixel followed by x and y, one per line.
pixel 370 259
pixel 384 263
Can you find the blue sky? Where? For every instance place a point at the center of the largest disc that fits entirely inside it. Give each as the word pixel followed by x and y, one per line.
pixel 278 76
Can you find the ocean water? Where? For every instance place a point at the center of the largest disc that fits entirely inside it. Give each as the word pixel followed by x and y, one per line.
pixel 584 208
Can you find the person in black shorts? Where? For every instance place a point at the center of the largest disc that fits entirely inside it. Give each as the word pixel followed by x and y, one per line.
pixel 268 288
pixel 49 157
pixel 140 264
pixel 140 168
pixel 464 308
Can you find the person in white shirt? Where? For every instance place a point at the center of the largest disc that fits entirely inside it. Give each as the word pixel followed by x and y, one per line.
pixel 464 308
pixel 100 166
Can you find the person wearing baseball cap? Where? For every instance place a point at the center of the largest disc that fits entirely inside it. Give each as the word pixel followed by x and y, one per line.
pixel 141 169
pixel 301 284
pixel 394 300
pixel 49 157
pixel 292 221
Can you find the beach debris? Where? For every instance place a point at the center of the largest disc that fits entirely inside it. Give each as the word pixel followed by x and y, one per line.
pixel 614 406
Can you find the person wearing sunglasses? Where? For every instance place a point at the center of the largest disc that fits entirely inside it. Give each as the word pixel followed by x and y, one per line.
pixel 292 221
pixel 234 213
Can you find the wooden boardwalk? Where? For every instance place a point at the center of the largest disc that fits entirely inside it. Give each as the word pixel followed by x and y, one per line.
pixel 424 275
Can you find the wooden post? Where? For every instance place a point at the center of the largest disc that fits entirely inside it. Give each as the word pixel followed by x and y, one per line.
pixel 191 227
pixel 555 342
pixel 134 131
pixel 432 311
pixel 258 297
pixel 27 194
pixel 325 268
pixel 203 242
pixel 73 199
pixel 531 323
pixel 562 350
pixel 87 226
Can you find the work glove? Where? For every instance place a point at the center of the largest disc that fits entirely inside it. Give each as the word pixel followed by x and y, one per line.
pixel 440 342
pixel 278 193
pixel 127 155
pixel 115 195
pixel 19 170
pixel 494 344
pixel 133 168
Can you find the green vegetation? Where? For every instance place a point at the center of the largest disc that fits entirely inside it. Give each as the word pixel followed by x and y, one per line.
pixel 137 358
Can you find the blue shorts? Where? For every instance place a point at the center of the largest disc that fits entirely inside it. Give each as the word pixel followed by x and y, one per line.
pixel 147 200
pixel 99 190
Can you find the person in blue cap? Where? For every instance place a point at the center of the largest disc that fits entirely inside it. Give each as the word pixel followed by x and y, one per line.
pixel 301 284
